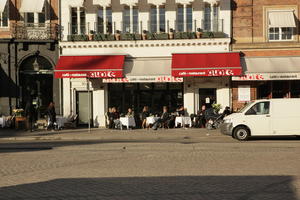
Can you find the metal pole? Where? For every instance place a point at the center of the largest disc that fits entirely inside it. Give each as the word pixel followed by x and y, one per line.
pixel 89 104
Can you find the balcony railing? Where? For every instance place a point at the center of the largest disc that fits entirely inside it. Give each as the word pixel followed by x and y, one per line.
pixel 147 31
pixel 36 31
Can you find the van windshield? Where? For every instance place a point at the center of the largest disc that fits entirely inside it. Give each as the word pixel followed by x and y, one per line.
pixel 245 107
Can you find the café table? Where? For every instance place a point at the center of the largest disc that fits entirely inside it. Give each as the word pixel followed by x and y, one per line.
pixel 183 121
pixel 128 122
pixel 2 122
pixel 151 120
pixel 61 120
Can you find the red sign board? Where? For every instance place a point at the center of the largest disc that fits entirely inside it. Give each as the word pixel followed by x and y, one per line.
pixel 88 74
pixel 210 64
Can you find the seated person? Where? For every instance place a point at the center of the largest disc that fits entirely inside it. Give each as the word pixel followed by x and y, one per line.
pixel 130 113
pixel 226 111
pixel 116 118
pixel 145 114
pixel 180 111
pixel 163 118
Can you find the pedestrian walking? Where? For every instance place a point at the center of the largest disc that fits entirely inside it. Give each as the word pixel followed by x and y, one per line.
pixel 29 113
pixel 51 116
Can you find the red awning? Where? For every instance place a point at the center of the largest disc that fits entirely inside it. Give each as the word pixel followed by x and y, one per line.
pixel 107 66
pixel 209 64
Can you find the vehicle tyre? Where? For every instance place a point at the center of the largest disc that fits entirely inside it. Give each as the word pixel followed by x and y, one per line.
pixel 208 126
pixel 241 133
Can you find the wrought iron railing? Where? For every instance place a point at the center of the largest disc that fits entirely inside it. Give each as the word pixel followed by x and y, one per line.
pixel 189 30
pixel 36 31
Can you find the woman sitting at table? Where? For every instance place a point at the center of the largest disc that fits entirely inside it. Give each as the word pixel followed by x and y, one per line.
pixel 130 113
pixel 145 114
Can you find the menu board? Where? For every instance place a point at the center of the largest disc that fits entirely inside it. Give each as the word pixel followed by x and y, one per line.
pixel 244 93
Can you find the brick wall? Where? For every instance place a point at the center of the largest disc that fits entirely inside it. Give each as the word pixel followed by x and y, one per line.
pixel 249 23
pixel 235 84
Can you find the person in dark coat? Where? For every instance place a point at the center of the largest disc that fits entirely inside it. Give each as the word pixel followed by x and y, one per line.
pixel 29 113
pixel 51 115
pixel 163 118
pixel 200 118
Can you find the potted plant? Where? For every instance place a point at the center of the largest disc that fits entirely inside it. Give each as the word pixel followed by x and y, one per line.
pixel 91 35
pixel 171 33
pixel 199 33
pixel 118 35
pixel 216 107
pixel 144 35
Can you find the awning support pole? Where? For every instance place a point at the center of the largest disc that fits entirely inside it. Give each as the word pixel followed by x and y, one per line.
pixel 89 104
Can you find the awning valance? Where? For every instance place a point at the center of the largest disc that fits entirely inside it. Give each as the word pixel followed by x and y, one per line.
pixel 282 19
pixel 2 5
pixel 32 6
pixel 209 64
pixel 104 66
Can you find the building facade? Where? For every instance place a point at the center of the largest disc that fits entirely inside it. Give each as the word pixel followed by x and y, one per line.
pixel 29 52
pixel 144 53
pixel 267 34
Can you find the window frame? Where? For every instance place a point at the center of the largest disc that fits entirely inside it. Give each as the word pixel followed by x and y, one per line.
pixel 247 113
pixel 280 28
pixel 281 34
pixel 1 16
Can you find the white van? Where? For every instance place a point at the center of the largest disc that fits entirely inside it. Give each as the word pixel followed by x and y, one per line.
pixel 270 117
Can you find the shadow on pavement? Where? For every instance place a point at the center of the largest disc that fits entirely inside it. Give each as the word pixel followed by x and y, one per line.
pixel 187 187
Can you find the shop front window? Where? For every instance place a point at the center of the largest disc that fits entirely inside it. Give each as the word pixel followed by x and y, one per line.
pixel 4 17
pixel 295 89
pixel 138 95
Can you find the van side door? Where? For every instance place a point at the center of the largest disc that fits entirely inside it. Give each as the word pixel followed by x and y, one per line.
pixel 257 118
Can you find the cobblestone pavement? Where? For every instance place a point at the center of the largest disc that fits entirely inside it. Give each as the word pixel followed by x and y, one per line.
pixel 129 165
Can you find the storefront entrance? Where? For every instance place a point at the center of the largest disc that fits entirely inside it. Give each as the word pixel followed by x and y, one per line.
pixel 207 97
pixel 36 82
pixel 83 104
pixel 138 95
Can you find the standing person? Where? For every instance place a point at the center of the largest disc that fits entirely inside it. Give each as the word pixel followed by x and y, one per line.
pixel 163 118
pixel 200 118
pixel 51 115
pixel 145 114
pixel 116 118
pixel 29 113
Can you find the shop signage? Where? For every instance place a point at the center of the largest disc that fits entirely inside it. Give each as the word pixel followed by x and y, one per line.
pixel 265 76
pixel 206 72
pixel 144 79
pixel 88 74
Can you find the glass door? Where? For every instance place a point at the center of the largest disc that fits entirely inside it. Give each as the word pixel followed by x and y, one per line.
pixel 207 97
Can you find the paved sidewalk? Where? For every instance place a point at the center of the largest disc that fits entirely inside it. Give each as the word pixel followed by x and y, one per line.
pixel 101 133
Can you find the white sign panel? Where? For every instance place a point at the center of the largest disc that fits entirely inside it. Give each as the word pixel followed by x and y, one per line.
pixel 267 76
pixel 244 93
pixel 144 79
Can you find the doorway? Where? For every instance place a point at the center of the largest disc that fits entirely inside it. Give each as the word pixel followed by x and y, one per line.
pixel 207 97
pixel 83 104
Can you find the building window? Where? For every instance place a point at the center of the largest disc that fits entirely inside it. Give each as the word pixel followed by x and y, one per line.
pixel 127 26
pixel 35 19
pixel 153 19
pixel 126 20
pixel 189 18
pixel 181 24
pixel 211 17
pixel 162 19
pixel 100 22
pixel 82 21
pixel 74 21
pixel 281 25
pixel 280 33
pixel 4 17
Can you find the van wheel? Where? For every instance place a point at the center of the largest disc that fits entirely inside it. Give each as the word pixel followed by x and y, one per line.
pixel 241 133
